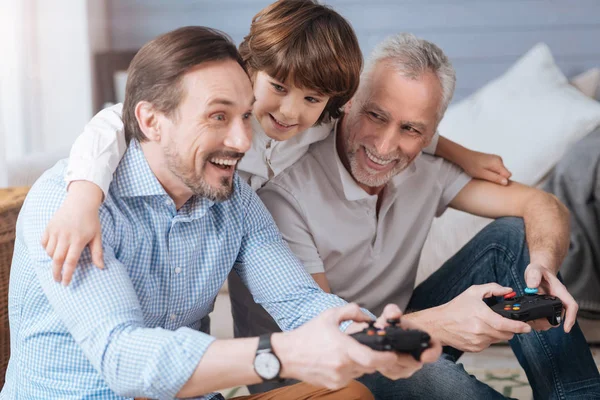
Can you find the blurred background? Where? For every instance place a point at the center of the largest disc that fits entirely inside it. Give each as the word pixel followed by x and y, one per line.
pixel 536 105
pixel 51 51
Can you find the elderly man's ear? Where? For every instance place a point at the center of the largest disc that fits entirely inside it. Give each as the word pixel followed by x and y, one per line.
pixel 148 120
pixel 348 105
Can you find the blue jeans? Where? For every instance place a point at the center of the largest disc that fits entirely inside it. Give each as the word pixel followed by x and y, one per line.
pixel 558 365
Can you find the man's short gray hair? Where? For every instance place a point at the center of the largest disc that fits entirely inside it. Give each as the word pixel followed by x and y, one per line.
pixel 412 57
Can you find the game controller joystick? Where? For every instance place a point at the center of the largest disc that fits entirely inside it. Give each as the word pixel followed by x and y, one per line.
pixel 531 306
pixel 394 338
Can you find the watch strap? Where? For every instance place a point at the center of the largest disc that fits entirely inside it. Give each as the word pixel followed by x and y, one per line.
pixel 264 343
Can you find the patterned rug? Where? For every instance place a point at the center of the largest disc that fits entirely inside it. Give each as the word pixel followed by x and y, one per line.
pixel 511 382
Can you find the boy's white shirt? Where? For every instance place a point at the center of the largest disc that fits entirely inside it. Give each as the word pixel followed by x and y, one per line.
pixel 96 153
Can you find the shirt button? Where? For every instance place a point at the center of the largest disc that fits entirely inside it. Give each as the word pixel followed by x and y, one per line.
pixel 177 270
pixel 173 317
pixel 168 202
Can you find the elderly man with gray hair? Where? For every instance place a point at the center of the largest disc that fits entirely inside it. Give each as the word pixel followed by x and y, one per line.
pixel 358 206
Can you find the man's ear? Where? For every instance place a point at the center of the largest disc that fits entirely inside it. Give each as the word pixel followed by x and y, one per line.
pixel 148 120
pixel 348 105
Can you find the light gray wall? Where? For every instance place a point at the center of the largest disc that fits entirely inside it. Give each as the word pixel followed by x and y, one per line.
pixel 482 37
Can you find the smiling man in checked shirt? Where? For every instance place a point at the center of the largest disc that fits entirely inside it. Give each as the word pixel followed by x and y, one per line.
pixel 174 222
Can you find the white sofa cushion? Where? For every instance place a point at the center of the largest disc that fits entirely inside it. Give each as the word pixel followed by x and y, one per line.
pixel 530 116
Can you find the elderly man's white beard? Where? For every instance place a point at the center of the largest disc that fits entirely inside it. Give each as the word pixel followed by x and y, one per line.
pixel 372 178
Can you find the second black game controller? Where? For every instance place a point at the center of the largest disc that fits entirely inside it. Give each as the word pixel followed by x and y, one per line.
pixel 394 338
pixel 531 306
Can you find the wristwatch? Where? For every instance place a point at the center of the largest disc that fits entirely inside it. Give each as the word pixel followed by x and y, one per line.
pixel 266 363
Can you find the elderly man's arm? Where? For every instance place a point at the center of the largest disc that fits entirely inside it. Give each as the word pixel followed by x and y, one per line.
pixel 546 218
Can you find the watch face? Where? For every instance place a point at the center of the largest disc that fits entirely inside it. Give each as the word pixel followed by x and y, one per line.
pixel 266 365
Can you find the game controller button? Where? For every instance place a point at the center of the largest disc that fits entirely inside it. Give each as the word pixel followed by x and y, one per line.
pixel 371 333
pixel 510 295
pixel 516 308
pixel 507 308
pixel 381 333
pixel 531 290
pixel 516 305
pixel 558 319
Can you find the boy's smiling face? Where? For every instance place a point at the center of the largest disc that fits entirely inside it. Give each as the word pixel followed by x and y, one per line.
pixel 284 110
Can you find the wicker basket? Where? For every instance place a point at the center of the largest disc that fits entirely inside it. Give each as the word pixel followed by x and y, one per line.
pixel 11 201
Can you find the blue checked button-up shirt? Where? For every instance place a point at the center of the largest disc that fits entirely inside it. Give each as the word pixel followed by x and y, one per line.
pixel 132 329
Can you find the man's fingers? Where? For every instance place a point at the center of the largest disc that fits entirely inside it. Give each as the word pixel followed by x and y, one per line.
pixel 349 312
pixel 96 250
pixel 490 290
pixel 391 311
pixel 407 361
pixel 403 366
pixel 571 308
pixel 540 324
pixel 499 323
pixel 368 359
pixel 533 276
pixel 358 372
pixel 556 288
pixel 432 354
pixel 498 335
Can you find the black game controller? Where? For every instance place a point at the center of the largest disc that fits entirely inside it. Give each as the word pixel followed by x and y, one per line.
pixel 394 338
pixel 531 306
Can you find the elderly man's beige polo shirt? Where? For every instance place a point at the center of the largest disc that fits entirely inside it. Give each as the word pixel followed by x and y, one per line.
pixel 333 227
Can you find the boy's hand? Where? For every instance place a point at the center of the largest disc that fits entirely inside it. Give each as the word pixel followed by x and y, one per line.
pixel 75 225
pixel 484 166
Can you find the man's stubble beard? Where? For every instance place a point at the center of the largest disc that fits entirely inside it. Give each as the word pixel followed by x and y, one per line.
pixel 196 182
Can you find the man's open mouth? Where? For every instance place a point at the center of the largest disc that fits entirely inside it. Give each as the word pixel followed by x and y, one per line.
pixel 376 159
pixel 224 163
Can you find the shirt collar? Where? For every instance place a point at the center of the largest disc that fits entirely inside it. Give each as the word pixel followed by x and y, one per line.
pixel 258 133
pixel 134 178
pixel 352 191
